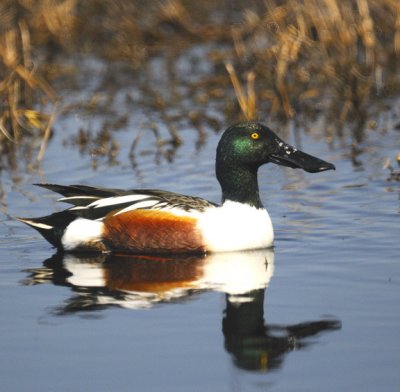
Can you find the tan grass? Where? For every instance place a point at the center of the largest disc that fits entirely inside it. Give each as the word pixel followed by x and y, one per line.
pixel 275 58
pixel 246 100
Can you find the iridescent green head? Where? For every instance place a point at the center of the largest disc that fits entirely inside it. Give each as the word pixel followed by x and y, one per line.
pixel 246 146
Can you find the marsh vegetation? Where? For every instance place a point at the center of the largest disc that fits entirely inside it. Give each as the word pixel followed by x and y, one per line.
pixel 191 66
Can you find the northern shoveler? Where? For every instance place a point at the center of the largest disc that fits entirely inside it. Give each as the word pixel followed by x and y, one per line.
pixel 157 221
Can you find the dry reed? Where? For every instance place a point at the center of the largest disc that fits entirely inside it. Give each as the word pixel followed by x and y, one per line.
pixel 278 58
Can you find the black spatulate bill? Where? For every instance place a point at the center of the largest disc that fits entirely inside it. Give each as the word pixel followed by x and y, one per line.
pixel 286 155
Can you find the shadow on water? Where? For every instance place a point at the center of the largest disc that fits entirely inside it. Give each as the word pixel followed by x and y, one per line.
pixel 143 281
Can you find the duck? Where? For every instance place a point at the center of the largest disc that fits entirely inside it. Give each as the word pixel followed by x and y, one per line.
pixel 152 221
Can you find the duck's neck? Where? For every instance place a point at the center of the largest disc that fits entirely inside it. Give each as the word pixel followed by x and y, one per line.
pixel 239 184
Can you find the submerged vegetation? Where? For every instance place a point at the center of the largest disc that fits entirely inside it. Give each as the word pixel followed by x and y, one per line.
pixel 192 65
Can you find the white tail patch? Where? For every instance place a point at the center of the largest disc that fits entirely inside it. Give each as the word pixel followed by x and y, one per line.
pixel 81 233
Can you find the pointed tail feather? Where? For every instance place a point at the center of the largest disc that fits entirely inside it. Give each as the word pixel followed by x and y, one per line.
pixel 51 227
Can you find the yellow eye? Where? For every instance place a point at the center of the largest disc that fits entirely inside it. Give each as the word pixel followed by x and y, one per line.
pixel 255 135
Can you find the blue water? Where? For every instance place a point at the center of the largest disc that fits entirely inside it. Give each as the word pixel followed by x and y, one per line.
pixel 319 312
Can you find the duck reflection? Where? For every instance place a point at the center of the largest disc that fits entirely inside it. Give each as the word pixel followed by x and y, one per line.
pixel 255 345
pixel 143 281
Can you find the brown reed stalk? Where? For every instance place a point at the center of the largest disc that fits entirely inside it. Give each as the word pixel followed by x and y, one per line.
pixel 46 134
pixel 246 100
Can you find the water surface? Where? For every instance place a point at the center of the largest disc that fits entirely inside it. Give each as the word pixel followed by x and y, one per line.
pixel 319 312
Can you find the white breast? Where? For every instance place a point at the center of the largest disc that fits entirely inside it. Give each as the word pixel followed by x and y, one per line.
pixel 81 232
pixel 235 226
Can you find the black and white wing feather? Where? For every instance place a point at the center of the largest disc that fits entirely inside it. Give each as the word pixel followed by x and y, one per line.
pixel 95 203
